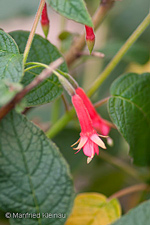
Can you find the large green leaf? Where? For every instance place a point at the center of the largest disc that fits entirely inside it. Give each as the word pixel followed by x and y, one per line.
pixel 138 216
pixel 34 176
pixel 8 91
pixel 41 51
pixel 11 61
pixel 129 108
pixel 72 9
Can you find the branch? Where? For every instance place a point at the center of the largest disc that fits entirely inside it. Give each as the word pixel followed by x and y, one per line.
pixel 95 54
pixel 129 190
pixel 79 44
pixel 39 79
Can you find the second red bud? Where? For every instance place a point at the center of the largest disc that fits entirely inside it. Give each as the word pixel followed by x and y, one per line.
pixel 90 38
pixel 45 21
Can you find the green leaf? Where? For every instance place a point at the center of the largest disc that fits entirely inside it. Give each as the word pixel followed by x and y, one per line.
pixel 138 53
pixel 137 216
pixel 129 108
pixel 34 176
pixel 66 39
pixel 11 61
pixel 8 91
pixel 64 35
pixel 72 9
pixel 44 52
pixel 94 208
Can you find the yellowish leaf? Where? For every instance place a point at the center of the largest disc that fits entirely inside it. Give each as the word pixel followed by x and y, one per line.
pixel 94 209
pixel 136 68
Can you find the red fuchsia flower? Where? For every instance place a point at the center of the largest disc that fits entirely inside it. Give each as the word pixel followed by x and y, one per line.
pixel 89 139
pixel 90 38
pixel 45 21
pixel 102 126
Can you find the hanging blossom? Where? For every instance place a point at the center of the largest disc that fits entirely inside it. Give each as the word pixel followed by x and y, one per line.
pixel 45 20
pixel 90 38
pixel 89 139
pixel 102 126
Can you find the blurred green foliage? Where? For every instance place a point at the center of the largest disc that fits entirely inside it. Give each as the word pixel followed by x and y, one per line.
pixel 15 8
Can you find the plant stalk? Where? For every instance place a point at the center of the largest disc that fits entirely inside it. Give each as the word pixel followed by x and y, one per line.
pixel 32 33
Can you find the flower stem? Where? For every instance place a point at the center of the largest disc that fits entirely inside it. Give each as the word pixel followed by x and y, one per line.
pixel 117 58
pixel 95 54
pixel 129 190
pixel 32 33
pixel 31 67
pixel 38 64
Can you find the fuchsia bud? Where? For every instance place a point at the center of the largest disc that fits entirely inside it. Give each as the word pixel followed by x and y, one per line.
pixel 90 38
pixel 101 125
pixel 45 21
pixel 89 139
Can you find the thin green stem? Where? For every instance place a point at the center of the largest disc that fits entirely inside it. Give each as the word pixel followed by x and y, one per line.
pixel 31 67
pixel 32 33
pixel 37 63
pixel 117 58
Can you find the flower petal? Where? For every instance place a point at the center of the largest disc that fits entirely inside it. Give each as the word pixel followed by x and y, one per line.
pixel 77 151
pixel 88 149
pixel 96 149
pixel 89 159
pixel 98 141
pixel 76 142
pixel 102 136
pixel 82 142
